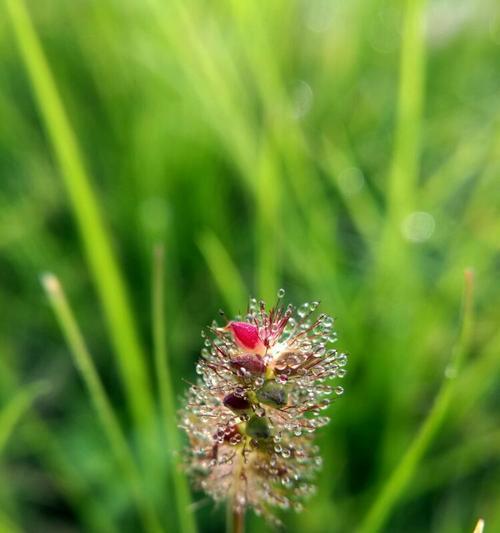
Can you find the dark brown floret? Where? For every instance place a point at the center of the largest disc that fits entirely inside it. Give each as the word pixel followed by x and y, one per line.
pixel 235 402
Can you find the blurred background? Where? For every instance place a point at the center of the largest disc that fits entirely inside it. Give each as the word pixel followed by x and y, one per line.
pixel 345 151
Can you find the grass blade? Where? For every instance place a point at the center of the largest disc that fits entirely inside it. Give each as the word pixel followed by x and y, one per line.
pixel 405 160
pixel 107 418
pixel 97 245
pixel 225 273
pixel 267 237
pixel 411 92
pixel 400 477
pixel 7 525
pixel 53 456
pixel 15 409
pixel 169 418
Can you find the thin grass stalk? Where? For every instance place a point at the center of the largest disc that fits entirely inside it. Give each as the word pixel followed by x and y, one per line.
pixel 102 405
pixel 393 490
pixel 266 226
pixel 169 419
pixel 10 416
pixel 405 160
pixel 16 408
pixel 97 244
pixel 395 271
pixel 66 476
pixel 7 525
pixel 224 271
pixel 220 98
pixel 393 260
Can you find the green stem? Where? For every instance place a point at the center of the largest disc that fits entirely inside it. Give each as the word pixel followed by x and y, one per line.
pixel 182 496
pixel 394 489
pixel 102 405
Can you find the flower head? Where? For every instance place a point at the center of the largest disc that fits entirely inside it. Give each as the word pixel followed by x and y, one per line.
pixel 252 415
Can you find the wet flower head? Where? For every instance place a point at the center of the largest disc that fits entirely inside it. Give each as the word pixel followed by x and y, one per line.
pixel 264 383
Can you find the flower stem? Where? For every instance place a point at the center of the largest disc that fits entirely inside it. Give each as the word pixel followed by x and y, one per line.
pixel 238 522
pixel 235 520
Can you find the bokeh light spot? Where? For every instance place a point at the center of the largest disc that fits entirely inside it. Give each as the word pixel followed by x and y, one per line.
pixel 418 226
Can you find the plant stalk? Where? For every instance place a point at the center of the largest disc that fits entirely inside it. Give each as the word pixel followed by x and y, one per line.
pixel 235 520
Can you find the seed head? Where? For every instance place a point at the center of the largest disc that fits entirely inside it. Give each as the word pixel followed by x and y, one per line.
pixel 251 417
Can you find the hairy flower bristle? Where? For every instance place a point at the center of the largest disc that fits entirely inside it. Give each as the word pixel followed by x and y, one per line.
pixel 251 417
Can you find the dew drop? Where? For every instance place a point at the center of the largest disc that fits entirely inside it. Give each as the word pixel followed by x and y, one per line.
pixel 260 411
pixel 303 310
pixel 259 382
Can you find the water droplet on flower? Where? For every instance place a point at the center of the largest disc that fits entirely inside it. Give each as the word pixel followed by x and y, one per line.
pixel 239 392
pixel 259 411
pixel 303 310
pixel 259 382
pixel 281 293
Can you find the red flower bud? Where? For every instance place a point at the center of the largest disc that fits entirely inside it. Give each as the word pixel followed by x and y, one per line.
pixel 247 336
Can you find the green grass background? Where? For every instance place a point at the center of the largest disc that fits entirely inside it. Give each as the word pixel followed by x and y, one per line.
pixel 346 151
